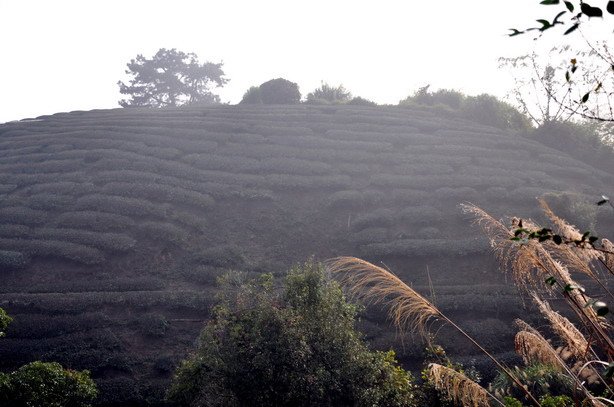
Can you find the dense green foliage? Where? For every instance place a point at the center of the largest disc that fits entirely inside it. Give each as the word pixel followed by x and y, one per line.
pixel 279 92
pixel 46 385
pixel 541 380
pixel 170 78
pixel 297 349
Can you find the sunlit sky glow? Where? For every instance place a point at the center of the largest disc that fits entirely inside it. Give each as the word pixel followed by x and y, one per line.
pixel 66 55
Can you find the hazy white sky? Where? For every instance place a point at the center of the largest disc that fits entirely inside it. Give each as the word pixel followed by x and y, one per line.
pixel 63 55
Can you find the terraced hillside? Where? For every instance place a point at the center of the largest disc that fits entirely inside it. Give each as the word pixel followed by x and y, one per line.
pixel 115 224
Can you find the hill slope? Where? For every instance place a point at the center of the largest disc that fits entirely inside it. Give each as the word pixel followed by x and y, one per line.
pixel 115 224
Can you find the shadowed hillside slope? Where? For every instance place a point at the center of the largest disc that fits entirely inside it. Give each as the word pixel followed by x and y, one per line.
pixel 115 224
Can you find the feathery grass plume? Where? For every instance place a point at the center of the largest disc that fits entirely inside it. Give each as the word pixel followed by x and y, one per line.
pixel 608 257
pixel 462 390
pixel 534 348
pixel 528 262
pixel 578 258
pixel 573 338
pixel 562 227
pixel 496 231
pixel 406 307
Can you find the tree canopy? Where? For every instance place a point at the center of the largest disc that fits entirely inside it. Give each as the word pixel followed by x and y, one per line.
pixel 299 348
pixel 171 78
pixel 46 385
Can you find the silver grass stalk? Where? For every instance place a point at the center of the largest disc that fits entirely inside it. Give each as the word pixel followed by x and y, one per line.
pixel 462 390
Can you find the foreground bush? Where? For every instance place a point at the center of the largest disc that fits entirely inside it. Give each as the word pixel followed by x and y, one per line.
pixel 299 348
pixel 46 385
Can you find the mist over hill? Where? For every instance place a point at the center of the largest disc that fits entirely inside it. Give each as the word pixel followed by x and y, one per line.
pixel 115 224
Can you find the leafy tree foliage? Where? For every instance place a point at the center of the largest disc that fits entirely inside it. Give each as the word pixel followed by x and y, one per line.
pixel 46 385
pixel 299 348
pixel 328 93
pixel 170 78
pixel 279 92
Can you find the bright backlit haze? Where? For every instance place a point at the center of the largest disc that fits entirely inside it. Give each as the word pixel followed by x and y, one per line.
pixel 66 55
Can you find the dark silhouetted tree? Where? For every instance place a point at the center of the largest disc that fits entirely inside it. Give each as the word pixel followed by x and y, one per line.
pixel 279 92
pixel 171 78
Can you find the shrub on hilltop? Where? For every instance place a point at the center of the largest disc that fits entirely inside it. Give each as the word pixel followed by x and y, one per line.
pixel 327 93
pixel 279 92
pixel 485 109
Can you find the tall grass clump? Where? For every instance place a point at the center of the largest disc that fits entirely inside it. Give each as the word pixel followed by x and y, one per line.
pixel 544 264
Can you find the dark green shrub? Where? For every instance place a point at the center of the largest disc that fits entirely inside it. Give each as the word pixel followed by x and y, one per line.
pixel 297 349
pixel 279 92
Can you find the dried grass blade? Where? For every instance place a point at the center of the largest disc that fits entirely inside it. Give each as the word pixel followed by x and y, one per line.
pixel 406 307
pixel 462 390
